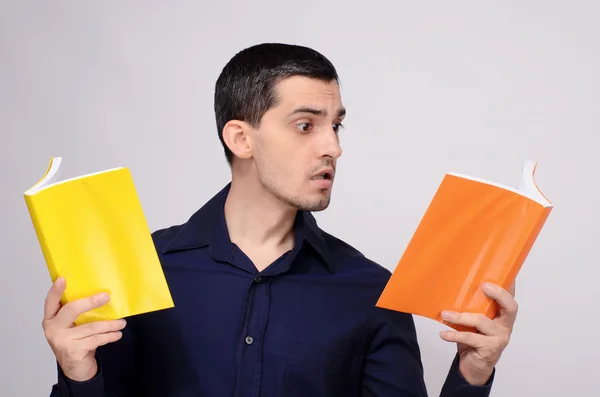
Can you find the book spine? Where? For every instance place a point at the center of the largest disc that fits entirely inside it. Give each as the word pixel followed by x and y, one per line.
pixel 520 256
pixel 528 245
pixel 41 236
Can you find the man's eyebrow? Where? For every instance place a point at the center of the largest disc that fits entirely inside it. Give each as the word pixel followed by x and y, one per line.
pixel 317 112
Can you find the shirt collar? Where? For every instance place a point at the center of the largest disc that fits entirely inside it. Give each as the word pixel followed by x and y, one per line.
pixel 208 227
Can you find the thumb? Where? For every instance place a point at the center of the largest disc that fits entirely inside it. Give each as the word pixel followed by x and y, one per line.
pixel 52 304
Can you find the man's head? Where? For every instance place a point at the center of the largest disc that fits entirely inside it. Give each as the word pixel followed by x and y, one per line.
pixel 278 111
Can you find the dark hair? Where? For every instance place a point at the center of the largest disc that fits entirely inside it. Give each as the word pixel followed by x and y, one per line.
pixel 245 89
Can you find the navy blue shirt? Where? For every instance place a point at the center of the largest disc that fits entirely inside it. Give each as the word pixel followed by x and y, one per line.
pixel 305 326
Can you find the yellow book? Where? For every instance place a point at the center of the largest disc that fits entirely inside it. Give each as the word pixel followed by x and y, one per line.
pixel 93 232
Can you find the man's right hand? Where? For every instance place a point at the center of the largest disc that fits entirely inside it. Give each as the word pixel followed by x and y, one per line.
pixel 75 346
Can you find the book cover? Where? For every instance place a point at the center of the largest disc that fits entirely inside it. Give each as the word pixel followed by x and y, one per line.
pixel 473 231
pixel 92 231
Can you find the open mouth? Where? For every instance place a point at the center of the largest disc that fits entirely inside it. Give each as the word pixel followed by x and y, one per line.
pixel 324 175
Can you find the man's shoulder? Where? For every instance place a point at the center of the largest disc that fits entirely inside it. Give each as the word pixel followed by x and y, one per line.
pixel 348 258
pixel 163 236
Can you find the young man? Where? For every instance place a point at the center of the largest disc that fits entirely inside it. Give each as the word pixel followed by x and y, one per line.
pixel 266 303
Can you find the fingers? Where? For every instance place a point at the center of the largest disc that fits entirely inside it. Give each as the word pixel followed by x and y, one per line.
pixel 74 346
pixel 52 304
pixel 512 289
pixel 69 313
pixel 93 342
pixel 470 339
pixel 482 323
pixel 97 327
pixel 506 301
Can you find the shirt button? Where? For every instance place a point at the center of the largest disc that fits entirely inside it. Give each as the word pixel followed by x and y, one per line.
pixel 257 279
pixel 249 340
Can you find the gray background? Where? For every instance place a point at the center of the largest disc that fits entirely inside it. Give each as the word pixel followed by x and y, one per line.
pixel 471 87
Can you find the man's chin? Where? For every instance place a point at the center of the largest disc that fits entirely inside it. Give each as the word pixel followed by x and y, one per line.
pixel 316 208
pixel 315 204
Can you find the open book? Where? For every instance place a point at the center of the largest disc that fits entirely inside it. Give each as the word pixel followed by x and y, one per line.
pixel 92 231
pixel 473 231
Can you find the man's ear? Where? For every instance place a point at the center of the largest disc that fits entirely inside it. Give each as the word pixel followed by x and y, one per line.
pixel 237 139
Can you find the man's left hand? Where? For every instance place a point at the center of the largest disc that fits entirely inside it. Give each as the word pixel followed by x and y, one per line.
pixel 480 352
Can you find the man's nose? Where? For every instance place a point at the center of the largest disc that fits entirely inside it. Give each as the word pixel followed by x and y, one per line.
pixel 331 144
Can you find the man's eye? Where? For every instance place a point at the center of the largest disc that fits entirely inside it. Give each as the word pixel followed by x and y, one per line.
pixel 337 127
pixel 304 127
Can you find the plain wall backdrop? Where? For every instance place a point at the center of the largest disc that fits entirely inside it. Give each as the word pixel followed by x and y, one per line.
pixel 471 87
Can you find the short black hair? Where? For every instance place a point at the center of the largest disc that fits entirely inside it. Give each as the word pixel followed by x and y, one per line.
pixel 245 89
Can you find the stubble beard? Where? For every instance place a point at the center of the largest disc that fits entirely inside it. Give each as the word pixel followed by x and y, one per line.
pixel 319 203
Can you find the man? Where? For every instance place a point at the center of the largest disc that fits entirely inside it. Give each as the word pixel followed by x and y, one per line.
pixel 266 303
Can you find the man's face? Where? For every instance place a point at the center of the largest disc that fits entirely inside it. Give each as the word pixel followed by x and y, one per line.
pixel 296 146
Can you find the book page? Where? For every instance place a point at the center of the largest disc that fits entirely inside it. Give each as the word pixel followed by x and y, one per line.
pixel 528 186
pixel 52 175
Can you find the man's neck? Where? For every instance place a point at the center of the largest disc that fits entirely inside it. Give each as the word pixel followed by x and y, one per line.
pixel 260 224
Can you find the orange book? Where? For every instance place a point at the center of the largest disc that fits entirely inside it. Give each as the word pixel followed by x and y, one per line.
pixel 473 231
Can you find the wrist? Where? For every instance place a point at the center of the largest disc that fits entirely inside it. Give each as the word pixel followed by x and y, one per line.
pixel 477 378
pixel 80 372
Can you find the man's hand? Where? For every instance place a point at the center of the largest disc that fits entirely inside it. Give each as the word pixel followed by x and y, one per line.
pixel 75 346
pixel 479 352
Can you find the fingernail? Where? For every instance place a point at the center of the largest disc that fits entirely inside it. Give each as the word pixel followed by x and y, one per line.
pixel 101 298
pixel 59 281
pixel 446 315
pixel 122 322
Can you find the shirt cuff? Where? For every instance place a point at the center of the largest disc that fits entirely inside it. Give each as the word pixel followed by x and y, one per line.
pixel 457 386
pixel 89 388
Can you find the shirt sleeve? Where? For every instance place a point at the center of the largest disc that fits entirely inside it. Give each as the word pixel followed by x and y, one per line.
pixel 457 386
pixel 116 371
pixel 69 388
pixel 393 366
